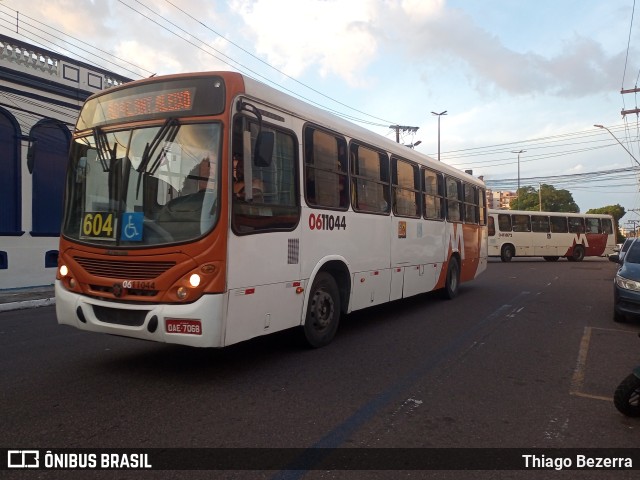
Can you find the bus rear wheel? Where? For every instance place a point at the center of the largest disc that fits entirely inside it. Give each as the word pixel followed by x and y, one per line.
pixel 323 311
pixel 577 255
pixel 452 282
pixel 507 253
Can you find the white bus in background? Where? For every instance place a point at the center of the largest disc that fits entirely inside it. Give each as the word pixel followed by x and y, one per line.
pixel 551 235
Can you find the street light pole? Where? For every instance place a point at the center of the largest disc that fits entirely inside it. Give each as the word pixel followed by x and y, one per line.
pixel 439 115
pixel 518 191
pixel 621 144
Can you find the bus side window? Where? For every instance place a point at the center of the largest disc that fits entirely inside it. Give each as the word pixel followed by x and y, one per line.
pixel 539 223
pixel 326 172
pixel 607 227
pixel 559 225
pixel 521 223
pixel 454 199
pixel 470 208
pixel 504 222
pixel 576 225
pixel 433 185
pixel 275 206
pixel 492 227
pixel 593 225
pixel 370 179
pixel 405 188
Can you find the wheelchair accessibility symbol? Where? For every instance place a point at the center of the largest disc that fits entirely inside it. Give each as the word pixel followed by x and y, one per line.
pixel 132 224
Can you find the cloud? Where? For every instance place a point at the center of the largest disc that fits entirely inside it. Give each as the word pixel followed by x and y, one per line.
pixel 333 35
pixel 581 68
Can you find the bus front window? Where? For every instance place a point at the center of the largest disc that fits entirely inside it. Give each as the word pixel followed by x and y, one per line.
pixel 143 187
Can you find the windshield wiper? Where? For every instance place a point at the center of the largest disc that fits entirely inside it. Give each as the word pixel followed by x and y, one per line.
pixel 105 155
pixel 168 131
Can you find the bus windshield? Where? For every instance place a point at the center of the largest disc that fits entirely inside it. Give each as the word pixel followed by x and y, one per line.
pixel 143 186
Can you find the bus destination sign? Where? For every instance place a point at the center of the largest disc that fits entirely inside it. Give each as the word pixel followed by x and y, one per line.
pixel 144 104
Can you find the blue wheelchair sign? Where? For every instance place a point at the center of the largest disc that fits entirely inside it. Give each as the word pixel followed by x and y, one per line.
pixel 132 225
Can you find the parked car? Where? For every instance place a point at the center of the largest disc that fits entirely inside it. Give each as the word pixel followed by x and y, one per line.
pixel 623 248
pixel 626 284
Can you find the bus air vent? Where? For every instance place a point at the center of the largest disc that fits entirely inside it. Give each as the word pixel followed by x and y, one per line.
pixel 130 270
pixel 130 318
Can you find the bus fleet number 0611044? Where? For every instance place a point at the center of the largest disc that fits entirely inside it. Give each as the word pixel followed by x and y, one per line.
pixel 324 221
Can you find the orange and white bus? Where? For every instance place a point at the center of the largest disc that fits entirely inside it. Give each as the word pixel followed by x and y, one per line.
pixel 551 235
pixel 205 209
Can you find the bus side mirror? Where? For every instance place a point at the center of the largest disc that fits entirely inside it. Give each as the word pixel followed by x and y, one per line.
pixel 264 149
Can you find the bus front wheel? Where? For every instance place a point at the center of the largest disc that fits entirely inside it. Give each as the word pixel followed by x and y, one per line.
pixel 323 311
pixel 507 253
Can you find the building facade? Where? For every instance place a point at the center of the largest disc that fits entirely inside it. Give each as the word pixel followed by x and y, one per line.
pixel 41 93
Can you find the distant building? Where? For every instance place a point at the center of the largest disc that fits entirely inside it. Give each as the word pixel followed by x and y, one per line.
pixel 500 200
pixel 41 93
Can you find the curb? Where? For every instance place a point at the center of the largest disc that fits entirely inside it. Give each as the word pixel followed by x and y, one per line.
pixel 41 302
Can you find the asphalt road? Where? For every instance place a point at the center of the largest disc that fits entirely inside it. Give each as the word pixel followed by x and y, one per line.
pixel 526 356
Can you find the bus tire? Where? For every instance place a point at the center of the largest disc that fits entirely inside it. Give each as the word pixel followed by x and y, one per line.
pixel 452 282
pixel 551 258
pixel 507 253
pixel 323 311
pixel 577 255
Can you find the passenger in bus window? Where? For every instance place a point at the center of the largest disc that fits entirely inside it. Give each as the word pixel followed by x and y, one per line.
pixel 239 182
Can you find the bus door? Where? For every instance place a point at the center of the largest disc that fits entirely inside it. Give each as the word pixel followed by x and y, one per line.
pixel 522 237
pixel 263 281
pixel 541 239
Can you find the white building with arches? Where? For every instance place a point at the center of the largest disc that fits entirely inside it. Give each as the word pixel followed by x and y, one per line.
pixel 41 93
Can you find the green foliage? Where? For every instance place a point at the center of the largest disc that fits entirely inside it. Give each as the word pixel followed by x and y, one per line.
pixel 553 200
pixel 617 211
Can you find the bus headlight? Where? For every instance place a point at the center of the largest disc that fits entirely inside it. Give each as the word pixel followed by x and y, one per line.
pixel 181 293
pixel 64 271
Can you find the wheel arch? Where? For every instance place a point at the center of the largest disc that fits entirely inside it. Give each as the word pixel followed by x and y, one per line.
pixel 337 267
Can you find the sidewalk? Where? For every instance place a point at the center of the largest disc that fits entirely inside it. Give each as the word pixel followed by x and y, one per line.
pixel 30 297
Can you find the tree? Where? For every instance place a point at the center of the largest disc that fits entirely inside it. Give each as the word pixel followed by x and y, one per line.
pixel 617 211
pixel 553 200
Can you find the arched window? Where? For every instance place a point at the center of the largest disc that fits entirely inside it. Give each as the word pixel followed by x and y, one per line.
pixel 10 180
pixel 50 152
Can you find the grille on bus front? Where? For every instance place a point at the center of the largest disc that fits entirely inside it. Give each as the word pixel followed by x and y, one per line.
pixel 121 269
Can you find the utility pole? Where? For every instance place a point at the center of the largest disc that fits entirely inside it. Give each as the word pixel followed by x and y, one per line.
pixel 403 128
pixel 518 191
pixel 634 110
pixel 540 196
pixel 439 115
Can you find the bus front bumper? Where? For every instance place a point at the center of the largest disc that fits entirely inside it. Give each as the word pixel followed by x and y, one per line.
pixel 197 324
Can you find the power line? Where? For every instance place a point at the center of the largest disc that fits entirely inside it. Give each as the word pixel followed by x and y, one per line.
pixel 271 66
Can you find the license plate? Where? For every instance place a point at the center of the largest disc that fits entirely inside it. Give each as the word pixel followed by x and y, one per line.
pixel 188 327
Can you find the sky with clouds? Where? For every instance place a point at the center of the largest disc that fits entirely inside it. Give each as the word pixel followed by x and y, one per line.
pixel 512 75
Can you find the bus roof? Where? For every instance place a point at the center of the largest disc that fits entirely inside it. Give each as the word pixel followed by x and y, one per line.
pixel 307 112
pixel 551 214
